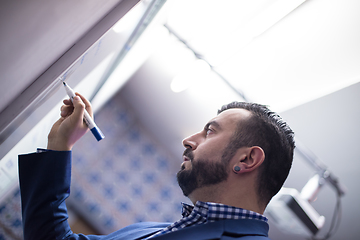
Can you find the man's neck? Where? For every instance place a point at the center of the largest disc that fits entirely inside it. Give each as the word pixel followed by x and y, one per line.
pixel 242 198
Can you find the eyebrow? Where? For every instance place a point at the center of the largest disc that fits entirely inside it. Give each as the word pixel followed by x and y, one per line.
pixel 212 123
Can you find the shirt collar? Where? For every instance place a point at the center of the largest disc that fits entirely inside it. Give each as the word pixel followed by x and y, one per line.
pixel 217 211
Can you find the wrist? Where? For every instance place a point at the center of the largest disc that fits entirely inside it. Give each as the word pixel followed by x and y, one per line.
pixel 57 145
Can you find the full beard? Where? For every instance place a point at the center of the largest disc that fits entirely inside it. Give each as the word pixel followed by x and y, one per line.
pixel 203 173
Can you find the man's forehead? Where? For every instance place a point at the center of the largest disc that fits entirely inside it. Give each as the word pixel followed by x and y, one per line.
pixel 232 115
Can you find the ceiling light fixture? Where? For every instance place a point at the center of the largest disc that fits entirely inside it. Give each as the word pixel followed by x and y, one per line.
pixel 239 38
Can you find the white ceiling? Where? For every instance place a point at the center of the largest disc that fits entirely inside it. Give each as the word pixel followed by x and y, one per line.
pixel 308 53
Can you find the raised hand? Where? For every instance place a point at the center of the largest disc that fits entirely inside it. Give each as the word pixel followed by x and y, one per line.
pixel 70 127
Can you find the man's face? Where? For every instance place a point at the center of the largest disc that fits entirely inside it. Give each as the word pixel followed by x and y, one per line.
pixel 204 164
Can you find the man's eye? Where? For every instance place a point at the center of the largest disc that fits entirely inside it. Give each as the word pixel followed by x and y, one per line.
pixel 208 131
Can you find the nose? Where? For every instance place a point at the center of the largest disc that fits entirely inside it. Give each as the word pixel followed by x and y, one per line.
pixel 191 141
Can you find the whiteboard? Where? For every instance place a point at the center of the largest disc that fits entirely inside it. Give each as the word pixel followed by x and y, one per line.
pixel 86 66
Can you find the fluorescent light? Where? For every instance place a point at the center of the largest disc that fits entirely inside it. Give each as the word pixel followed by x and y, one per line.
pixel 218 31
pixel 238 38
pixel 271 15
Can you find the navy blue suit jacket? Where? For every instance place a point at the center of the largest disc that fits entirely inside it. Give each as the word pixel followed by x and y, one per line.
pixel 45 184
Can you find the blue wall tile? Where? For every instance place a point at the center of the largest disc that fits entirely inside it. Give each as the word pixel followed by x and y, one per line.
pixel 128 176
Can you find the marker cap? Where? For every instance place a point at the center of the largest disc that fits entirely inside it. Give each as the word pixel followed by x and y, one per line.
pixel 97 133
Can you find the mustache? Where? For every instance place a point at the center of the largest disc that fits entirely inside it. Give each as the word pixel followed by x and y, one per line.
pixel 189 154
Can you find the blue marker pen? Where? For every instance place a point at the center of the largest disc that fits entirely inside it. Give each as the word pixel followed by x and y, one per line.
pixel 87 119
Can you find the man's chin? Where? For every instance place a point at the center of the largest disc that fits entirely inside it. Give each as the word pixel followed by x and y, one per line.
pixel 186 180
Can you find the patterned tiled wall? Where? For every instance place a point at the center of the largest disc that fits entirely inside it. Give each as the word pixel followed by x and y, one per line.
pixel 10 217
pixel 125 178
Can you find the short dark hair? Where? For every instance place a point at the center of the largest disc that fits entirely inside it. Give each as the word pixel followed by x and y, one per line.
pixel 267 130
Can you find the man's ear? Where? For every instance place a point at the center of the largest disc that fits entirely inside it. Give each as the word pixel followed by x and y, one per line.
pixel 251 158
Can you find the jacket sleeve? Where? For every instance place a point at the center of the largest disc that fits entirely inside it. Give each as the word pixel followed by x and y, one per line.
pixel 44 185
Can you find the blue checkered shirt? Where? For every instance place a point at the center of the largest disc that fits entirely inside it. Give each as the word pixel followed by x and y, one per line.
pixel 209 212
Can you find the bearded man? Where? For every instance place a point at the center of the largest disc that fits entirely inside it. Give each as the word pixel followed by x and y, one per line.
pixel 230 171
